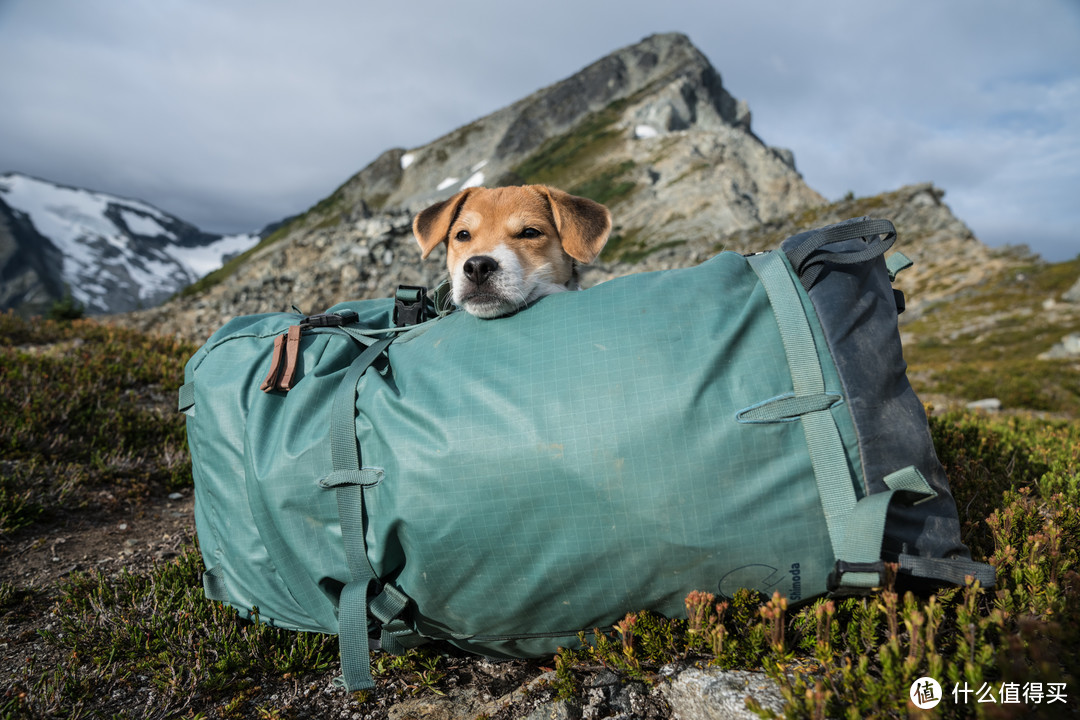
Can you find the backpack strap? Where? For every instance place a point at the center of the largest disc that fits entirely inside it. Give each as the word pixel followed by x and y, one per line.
pixel 856 525
pixel 897 263
pixel 808 258
pixel 214 587
pixel 349 478
pixel 827 455
pixel 951 570
pixel 186 398
pixel 860 564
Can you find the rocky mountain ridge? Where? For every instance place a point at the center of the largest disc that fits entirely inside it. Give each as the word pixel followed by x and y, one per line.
pixel 582 130
pixel 370 257
pixel 110 254
pixel 648 130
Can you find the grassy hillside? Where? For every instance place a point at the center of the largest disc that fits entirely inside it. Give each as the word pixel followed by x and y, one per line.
pixel 90 438
pixel 87 424
pixel 987 343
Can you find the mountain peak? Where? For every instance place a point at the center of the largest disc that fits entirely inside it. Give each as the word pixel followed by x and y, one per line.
pixel 647 130
pixel 658 86
pixel 111 254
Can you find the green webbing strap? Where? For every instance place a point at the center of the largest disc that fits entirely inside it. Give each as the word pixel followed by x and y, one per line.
pixel 910 480
pixel 349 478
pixel 353 638
pixel 822 436
pixel 953 570
pixel 868 521
pixel 397 636
pixel 790 407
pixel 897 263
pixel 186 397
pixel 344 451
pixel 856 527
pixel 213 582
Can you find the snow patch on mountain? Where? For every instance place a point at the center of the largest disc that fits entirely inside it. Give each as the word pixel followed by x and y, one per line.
pixel 203 260
pixel 475 180
pixel 118 254
pixel 144 225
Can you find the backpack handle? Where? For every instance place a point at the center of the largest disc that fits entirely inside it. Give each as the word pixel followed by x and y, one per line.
pixel 809 259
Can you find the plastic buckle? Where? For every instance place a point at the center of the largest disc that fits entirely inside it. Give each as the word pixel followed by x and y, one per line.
pixel 836 577
pixel 901 303
pixel 345 317
pixel 410 305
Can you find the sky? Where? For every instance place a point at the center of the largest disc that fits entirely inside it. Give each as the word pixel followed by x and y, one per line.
pixel 234 114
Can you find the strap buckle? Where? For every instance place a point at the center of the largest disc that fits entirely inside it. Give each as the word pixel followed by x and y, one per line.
pixel 410 305
pixel 855 578
pixel 344 317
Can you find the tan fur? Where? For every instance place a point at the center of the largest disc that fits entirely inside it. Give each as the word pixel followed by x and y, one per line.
pixel 506 247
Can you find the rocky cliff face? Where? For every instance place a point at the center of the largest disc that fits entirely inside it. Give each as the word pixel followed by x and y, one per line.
pixel 642 122
pixel 30 265
pixel 648 130
pixel 949 260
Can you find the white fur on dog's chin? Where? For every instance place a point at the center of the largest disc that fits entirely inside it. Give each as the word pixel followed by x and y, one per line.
pixel 505 291
pixel 544 286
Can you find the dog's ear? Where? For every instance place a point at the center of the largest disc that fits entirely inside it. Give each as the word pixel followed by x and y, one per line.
pixel 583 225
pixel 432 226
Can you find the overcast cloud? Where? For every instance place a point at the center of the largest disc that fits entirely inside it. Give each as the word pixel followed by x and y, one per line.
pixel 234 114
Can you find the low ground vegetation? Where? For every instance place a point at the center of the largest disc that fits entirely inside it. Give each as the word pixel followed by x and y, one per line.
pixel 89 435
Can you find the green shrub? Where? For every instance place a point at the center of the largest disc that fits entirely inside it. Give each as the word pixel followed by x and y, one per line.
pixel 67 308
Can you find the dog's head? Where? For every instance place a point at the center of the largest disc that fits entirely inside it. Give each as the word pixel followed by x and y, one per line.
pixel 506 247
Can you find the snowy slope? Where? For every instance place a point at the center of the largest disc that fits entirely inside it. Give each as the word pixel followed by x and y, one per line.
pixel 117 254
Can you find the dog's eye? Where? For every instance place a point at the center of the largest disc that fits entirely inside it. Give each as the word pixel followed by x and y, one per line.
pixel 530 233
pixel 463 236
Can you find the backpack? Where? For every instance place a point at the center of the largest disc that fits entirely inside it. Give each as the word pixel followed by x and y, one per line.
pixel 502 485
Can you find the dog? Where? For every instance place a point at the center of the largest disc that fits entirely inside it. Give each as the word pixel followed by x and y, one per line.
pixel 507 247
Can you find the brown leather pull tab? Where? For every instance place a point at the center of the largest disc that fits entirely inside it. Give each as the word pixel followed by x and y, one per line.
pixel 292 356
pixel 278 356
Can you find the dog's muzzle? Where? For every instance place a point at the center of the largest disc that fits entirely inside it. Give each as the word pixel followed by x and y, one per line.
pixel 479 268
pixel 485 290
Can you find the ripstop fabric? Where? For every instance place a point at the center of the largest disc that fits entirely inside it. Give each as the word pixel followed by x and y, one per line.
pixel 504 484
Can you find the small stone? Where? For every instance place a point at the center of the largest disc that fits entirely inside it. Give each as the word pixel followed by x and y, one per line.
pixel 1067 349
pixel 1072 294
pixel 986 404
pixel 711 693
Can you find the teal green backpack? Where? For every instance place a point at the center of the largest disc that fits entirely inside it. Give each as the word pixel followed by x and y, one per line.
pixel 503 484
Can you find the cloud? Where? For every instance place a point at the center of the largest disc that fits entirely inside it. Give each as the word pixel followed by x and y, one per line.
pixel 232 115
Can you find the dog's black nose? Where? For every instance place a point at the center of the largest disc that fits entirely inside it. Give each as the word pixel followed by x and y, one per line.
pixel 479 268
